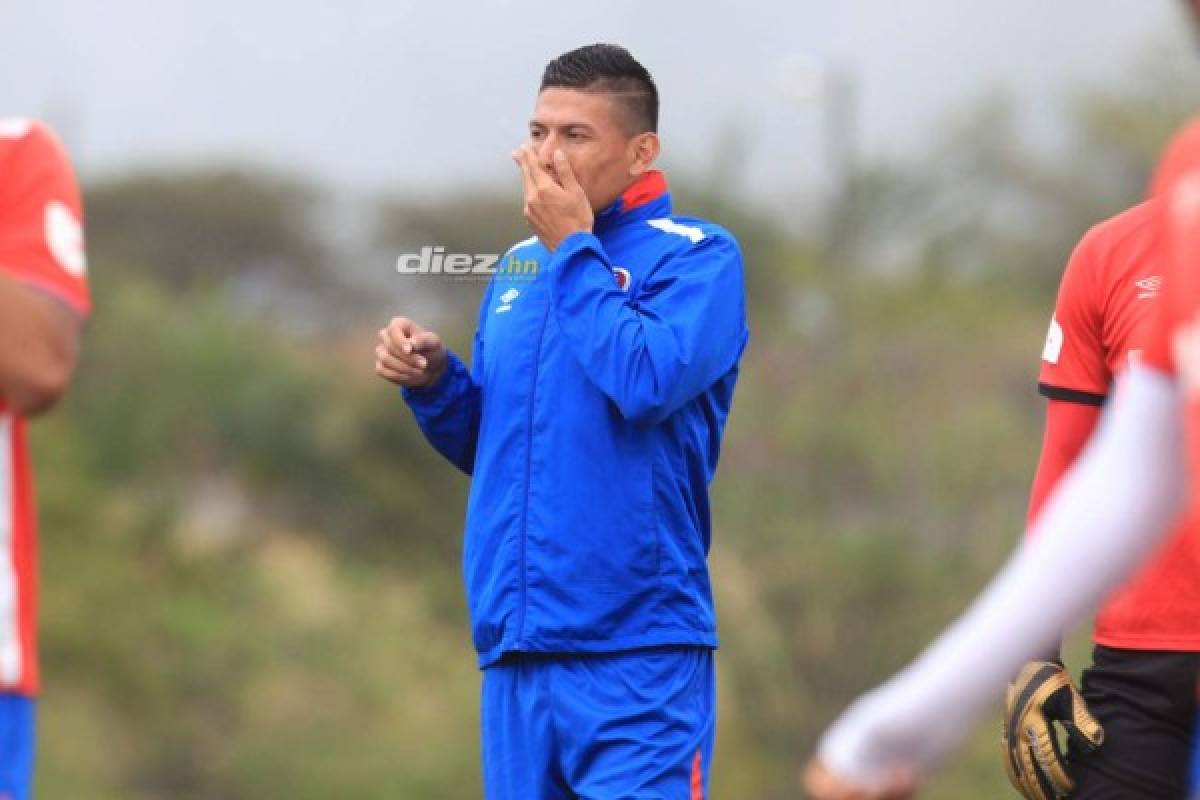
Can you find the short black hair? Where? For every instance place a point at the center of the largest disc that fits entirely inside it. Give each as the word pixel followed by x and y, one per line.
pixel 611 69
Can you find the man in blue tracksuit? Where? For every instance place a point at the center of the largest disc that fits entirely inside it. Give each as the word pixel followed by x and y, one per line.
pixel 590 421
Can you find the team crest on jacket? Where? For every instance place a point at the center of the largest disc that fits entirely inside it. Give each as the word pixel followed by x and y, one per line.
pixel 623 278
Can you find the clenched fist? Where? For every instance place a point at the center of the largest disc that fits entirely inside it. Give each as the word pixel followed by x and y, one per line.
pixel 408 355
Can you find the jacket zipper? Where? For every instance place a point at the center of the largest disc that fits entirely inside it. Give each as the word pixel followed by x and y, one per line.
pixel 537 360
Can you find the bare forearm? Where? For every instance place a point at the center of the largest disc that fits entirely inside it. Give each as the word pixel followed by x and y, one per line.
pixel 39 340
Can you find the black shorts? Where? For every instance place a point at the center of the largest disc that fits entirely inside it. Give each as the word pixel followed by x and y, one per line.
pixel 1146 701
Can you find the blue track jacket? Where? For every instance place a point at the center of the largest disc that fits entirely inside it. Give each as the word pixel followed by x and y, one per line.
pixel 590 422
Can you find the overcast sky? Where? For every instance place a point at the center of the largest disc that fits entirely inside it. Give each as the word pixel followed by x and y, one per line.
pixel 391 93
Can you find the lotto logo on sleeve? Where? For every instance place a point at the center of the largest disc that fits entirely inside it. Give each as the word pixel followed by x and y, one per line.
pixel 1054 343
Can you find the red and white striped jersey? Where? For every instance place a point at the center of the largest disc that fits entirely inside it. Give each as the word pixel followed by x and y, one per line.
pixel 41 245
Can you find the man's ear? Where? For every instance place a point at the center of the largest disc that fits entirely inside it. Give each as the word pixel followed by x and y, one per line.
pixel 643 150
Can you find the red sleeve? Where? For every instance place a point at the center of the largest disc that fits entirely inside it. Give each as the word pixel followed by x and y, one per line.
pixel 1074 366
pixel 1068 427
pixel 41 213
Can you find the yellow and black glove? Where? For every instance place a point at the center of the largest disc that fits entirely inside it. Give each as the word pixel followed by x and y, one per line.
pixel 1042 695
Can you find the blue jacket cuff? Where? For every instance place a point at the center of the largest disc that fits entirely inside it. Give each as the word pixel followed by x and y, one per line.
pixel 443 390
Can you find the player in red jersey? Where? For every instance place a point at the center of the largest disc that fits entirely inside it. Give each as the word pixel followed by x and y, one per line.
pixel 43 303
pixel 1107 515
pixel 1142 683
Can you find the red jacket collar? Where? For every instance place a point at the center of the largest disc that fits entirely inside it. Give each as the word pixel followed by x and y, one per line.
pixel 646 197
pixel 649 186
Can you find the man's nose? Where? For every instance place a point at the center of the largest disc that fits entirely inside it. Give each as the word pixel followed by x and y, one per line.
pixel 545 150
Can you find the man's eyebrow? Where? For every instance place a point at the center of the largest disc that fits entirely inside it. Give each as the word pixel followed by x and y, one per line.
pixel 533 123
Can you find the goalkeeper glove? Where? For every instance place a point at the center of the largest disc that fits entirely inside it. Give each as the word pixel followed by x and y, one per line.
pixel 1042 695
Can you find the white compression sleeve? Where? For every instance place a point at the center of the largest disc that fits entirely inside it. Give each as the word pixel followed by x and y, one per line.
pixel 1105 517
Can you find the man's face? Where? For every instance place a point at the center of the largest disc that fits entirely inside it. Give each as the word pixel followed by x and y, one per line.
pixel 587 127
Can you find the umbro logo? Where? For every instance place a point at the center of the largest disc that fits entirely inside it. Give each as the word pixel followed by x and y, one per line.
pixel 1148 287
pixel 506 301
